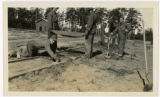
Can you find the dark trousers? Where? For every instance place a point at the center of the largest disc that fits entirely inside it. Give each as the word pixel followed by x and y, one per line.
pixel 89 45
pixel 102 37
pixel 49 32
pixel 122 42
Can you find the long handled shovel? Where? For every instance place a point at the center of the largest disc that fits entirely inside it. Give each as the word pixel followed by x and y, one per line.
pixel 147 85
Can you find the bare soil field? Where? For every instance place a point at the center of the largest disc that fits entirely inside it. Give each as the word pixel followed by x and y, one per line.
pixel 75 73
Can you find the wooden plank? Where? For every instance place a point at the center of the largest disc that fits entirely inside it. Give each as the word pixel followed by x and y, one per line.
pixel 23 59
pixel 23 67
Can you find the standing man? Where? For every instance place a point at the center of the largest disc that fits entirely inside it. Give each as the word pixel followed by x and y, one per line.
pixel 52 20
pixel 122 31
pixel 89 33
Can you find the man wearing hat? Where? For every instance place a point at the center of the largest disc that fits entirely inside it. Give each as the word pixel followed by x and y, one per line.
pixel 89 33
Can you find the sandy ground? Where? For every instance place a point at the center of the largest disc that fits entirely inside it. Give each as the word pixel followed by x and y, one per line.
pixel 80 74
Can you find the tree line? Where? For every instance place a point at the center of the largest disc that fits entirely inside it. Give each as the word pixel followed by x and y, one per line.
pixel 25 18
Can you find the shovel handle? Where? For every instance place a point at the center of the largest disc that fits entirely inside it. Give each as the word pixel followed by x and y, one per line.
pixel 145 53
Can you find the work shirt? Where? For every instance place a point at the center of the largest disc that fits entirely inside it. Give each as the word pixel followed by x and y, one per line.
pixel 91 23
pixel 121 29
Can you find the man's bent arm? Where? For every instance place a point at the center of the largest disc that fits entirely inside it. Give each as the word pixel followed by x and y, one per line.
pixel 50 52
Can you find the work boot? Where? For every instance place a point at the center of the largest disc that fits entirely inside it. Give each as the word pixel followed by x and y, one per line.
pixel 120 55
pixel 108 55
pixel 18 55
pixel 55 59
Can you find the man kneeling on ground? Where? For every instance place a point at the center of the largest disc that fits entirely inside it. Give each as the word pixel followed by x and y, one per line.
pixel 32 47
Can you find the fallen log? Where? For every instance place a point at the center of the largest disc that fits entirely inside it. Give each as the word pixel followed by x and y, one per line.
pixel 69 34
pixel 72 36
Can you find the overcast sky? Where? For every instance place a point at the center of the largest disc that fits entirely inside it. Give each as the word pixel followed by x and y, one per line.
pixel 147 15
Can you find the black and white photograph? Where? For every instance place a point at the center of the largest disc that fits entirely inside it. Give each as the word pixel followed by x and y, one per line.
pixel 80 49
